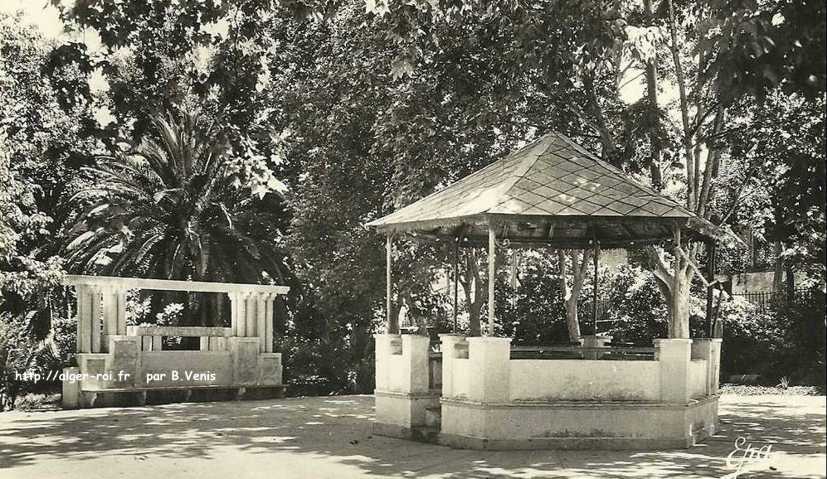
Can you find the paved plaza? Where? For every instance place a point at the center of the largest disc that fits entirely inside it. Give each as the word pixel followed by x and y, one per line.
pixel 321 437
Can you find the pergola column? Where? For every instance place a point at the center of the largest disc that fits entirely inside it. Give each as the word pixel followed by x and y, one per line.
pixel 251 318
pixel 241 315
pixel 251 315
pixel 83 345
pixel 268 332
pixel 89 319
pixel 114 311
pixel 710 290
pixel 596 259
pixel 264 321
pixel 456 282
pixel 492 270
pixel 234 300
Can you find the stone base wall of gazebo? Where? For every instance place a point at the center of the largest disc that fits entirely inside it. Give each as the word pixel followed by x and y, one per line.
pixel 576 425
pixel 403 393
pixel 490 401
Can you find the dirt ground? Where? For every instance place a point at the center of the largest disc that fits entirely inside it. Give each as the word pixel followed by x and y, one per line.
pixel 323 437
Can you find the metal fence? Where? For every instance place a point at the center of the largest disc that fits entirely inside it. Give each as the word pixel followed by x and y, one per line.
pixel 627 353
pixel 764 301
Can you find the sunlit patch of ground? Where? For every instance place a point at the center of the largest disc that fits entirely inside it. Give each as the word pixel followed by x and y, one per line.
pixel 322 437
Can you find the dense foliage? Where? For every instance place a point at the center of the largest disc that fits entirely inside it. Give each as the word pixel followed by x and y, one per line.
pixel 784 339
pixel 42 145
pixel 251 141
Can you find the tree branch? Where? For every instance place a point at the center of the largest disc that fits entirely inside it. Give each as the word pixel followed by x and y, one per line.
pixel 734 207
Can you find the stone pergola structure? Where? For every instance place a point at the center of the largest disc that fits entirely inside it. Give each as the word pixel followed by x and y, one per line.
pixel 551 193
pixel 120 364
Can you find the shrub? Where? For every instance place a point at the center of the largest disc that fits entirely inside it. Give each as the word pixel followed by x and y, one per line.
pixel 787 340
pixel 533 313
pixel 29 328
pixel 23 356
pixel 636 306
pixel 752 339
pixel 801 321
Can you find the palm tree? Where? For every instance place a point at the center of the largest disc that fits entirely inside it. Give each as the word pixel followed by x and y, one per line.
pixel 180 206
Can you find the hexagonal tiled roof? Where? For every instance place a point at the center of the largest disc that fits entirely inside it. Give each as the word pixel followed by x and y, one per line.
pixel 550 178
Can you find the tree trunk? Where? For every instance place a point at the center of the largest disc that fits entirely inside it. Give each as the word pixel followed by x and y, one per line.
pixel 474 319
pixel 572 321
pixel 679 326
pixel 789 280
pixel 480 295
pixel 218 310
pixel 652 98
pixel 686 137
pixel 203 309
pixel 396 308
pixel 579 264
pixel 778 269
pixel 607 143
pixel 361 348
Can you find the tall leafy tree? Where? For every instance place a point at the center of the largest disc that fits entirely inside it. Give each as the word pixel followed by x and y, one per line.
pixel 41 147
pixel 693 47
pixel 777 151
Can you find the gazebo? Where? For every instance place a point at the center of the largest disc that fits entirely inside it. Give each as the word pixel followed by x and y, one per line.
pixel 550 193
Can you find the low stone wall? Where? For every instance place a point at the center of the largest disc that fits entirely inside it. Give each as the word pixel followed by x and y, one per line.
pixel 128 369
pixel 697 376
pixel 584 380
pixel 490 401
pixel 576 424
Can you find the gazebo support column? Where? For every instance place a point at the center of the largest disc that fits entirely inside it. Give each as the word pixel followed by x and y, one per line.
pixel 492 271
pixel 392 321
pixel 674 358
pixel 596 260
pixel 456 283
pixel 710 290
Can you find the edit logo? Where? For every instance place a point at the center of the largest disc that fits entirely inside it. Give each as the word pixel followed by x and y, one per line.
pixel 744 459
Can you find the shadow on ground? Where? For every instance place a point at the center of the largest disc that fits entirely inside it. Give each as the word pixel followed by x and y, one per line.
pixel 331 437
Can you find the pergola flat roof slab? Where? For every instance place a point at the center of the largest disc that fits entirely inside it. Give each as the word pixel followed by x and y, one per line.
pixel 171 285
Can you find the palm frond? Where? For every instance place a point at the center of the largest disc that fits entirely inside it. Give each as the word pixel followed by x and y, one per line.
pixel 168 208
